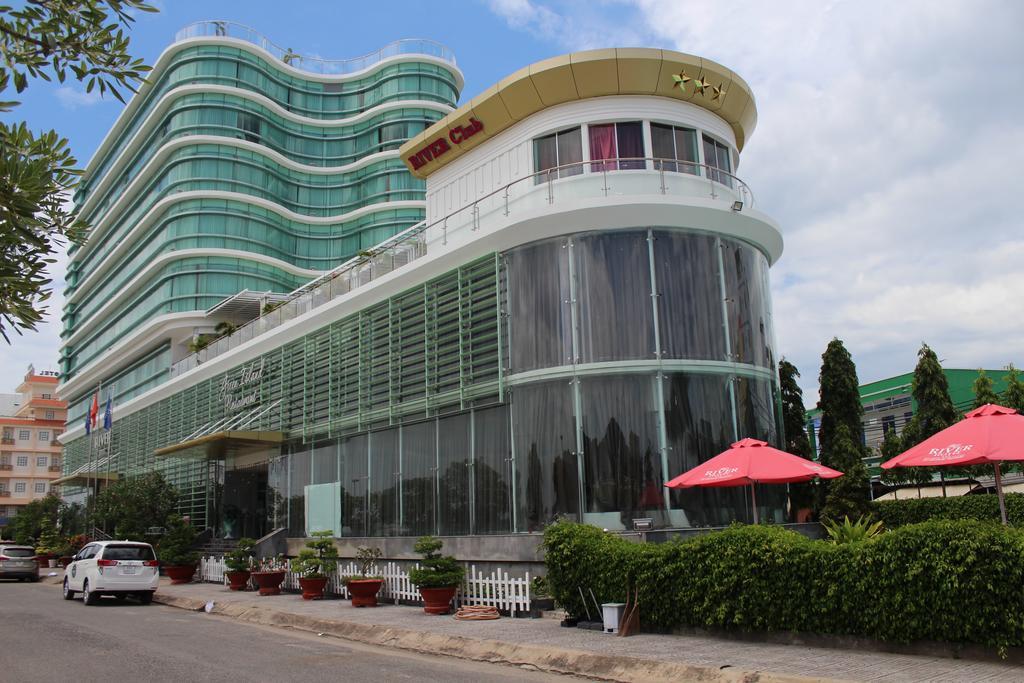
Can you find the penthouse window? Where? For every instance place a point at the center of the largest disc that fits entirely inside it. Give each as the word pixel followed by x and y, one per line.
pixel 622 140
pixel 555 150
pixel 716 156
pixel 677 144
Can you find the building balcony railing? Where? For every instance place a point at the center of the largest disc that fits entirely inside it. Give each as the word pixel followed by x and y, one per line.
pixel 6 467
pixel 5 494
pixel 55 468
pixel 626 176
pixel 230 29
pixel 54 442
pixel 7 441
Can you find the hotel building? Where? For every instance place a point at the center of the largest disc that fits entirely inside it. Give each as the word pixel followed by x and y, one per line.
pixel 30 454
pixel 465 322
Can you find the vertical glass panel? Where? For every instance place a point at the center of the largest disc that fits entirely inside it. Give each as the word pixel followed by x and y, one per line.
pixel 298 479
pixel 454 484
pixel 747 298
pixel 622 470
pixel 699 426
pixel 384 483
pixel 630 137
pixel 756 416
pixel 689 296
pixel 419 467
pixel 325 463
pixel 663 147
pixel 277 491
pixel 602 146
pixel 492 468
pixel 614 295
pixel 547 479
pixel 570 152
pixel 545 155
pixel 355 468
pixel 686 149
pixel 540 333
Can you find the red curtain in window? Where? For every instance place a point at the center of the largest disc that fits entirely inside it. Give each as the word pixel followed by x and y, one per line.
pixel 602 146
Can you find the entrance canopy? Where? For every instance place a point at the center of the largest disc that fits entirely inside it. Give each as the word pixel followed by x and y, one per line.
pixel 217 444
pixel 91 471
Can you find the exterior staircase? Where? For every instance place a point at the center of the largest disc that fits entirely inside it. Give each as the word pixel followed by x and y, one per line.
pixel 217 547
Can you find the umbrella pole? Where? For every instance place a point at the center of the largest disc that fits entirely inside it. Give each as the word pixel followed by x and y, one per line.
pixel 999 492
pixel 753 499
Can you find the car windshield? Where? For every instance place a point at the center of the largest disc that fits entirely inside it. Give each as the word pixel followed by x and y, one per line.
pixel 128 552
pixel 18 552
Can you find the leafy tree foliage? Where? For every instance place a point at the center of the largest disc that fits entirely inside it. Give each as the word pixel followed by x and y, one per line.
pixel 129 507
pixel 49 39
pixel 892 445
pixel 27 525
pixel 842 432
pixel 848 495
pixel 935 410
pixel 794 423
pixel 1013 397
pixel 984 391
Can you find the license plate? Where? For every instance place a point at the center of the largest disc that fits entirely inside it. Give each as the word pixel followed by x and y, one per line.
pixel 129 570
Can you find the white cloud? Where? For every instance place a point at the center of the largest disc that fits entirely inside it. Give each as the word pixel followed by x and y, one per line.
pixel 888 147
pixel 72 98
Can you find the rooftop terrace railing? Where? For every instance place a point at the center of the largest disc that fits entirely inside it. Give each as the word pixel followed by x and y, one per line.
pixel 634 175
pixel 317 65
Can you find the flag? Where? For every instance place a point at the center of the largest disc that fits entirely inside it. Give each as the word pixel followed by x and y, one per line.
pixel 88 423
pixel 108 414
pixel 94 411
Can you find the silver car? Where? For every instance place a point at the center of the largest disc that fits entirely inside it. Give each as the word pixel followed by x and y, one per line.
pixel 18 562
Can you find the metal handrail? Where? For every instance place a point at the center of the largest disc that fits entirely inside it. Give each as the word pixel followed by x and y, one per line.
pixel 231 29
pixel 712 174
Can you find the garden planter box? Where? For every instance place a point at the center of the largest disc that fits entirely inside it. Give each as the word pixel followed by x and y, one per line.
pixel 364 591
pixel 238 580
pixel 180 573
pixel 43 560
pixel 437 600
pixel 269 582
pixel 313 588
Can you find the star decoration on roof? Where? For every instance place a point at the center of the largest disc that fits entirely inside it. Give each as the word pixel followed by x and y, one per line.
pixel 718 92
pixel 700 86
pixel 681 79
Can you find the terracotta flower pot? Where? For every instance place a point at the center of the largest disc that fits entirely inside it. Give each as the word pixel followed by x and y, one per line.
pixel 238 580
pixel 269 582
pixel 364 591
pixel 43 560
pixel 313 588
pixel 437 600
pixel 65 561
pixel 180 573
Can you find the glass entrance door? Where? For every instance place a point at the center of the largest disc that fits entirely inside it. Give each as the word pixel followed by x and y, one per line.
pixel 244 502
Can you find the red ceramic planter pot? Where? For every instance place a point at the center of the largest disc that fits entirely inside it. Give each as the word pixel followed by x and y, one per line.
pixel 64 561
pixel 364 591
pixel 269 582
pixel 313 588
pixel 180 573
pixel 437 600
pixel 239 580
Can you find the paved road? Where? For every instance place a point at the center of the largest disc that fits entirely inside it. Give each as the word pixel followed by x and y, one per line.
pixel 45 638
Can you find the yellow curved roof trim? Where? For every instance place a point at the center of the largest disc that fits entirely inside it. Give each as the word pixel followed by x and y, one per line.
pixel 579 76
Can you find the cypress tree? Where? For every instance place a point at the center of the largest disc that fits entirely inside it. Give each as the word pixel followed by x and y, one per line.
pixel 983 390
pixel 794 416
pixel 841 415
pixel 935 410
pixel 848 495
pixel 1013 397
pixel 892 445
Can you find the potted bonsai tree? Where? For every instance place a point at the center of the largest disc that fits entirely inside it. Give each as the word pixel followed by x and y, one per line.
pixel 175 552
pixel 50 544
pixel 315 564
pixel 270 574
pixel 437 577
pixel 540 596
pixel 361 587
pixel 239 564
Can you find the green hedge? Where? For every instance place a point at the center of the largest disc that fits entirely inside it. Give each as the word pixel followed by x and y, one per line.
pixel 895 513
pixel 953 581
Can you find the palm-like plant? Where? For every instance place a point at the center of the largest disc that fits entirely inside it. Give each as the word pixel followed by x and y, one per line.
pixel 852 532
pixel 225 329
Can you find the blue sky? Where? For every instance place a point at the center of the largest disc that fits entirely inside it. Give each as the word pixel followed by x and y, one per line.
pixel 888 146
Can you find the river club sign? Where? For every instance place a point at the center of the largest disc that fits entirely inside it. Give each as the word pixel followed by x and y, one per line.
pixel 437 148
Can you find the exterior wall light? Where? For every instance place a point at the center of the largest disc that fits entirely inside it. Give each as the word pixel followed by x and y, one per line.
pixel 737 206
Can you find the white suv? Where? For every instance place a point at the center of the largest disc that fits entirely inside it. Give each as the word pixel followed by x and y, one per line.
pixel 119 568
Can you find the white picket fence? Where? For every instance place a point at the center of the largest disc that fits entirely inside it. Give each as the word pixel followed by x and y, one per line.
pixel 496 589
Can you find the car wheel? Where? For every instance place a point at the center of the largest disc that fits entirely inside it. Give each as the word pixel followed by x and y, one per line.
pixel 146 597
pixel 34 579
pixel 88 597
pixel 67 592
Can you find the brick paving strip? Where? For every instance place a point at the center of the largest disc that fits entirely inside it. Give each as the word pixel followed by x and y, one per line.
pixel 544 645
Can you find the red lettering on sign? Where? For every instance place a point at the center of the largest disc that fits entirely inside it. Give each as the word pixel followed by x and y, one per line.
pixel 433 150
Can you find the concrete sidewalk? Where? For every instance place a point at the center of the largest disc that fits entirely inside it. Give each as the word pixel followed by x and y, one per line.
pixel 543 644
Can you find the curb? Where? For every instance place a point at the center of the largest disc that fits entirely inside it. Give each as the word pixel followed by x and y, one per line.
pixel 553 660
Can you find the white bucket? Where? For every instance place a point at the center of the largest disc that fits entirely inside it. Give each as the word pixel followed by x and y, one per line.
pixel 612 612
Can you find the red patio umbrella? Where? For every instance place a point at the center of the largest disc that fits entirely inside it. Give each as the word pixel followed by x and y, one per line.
pixel 990 434
pixel 750 462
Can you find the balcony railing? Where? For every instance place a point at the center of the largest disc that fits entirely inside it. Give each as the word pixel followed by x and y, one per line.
pixel 55 468
pixel 633 175
pixel 54 442
pixel 5 494
pixel 7 441
pixel 6 467
pixel 230 29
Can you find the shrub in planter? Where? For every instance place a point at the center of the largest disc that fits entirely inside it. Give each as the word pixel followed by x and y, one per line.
pixel 269 575
pixel 175 550
pixel 540 596
pixel 239 563
pixel 50 544
pixel 437 577
pixel 984 507
pixel 315 564
pixel 362 587
pixel 762 578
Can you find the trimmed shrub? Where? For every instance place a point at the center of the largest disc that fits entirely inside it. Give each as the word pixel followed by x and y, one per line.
pixel 985 507
pixel 933 581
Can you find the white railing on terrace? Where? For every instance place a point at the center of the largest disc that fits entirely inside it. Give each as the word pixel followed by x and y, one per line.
pixel 634 175
pixel 317 65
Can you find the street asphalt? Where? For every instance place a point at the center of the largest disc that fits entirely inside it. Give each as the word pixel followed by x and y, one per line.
pixel 45 638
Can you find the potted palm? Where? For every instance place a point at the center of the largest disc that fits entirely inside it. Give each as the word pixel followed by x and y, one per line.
pixel 270 574
pixel 362 587
pixel 438 577
pixel 239 564
pixel 315 564
pixel 175 552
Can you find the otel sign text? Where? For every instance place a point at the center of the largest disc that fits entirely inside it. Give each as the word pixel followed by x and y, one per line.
pixel 433 150
pixel 242 390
